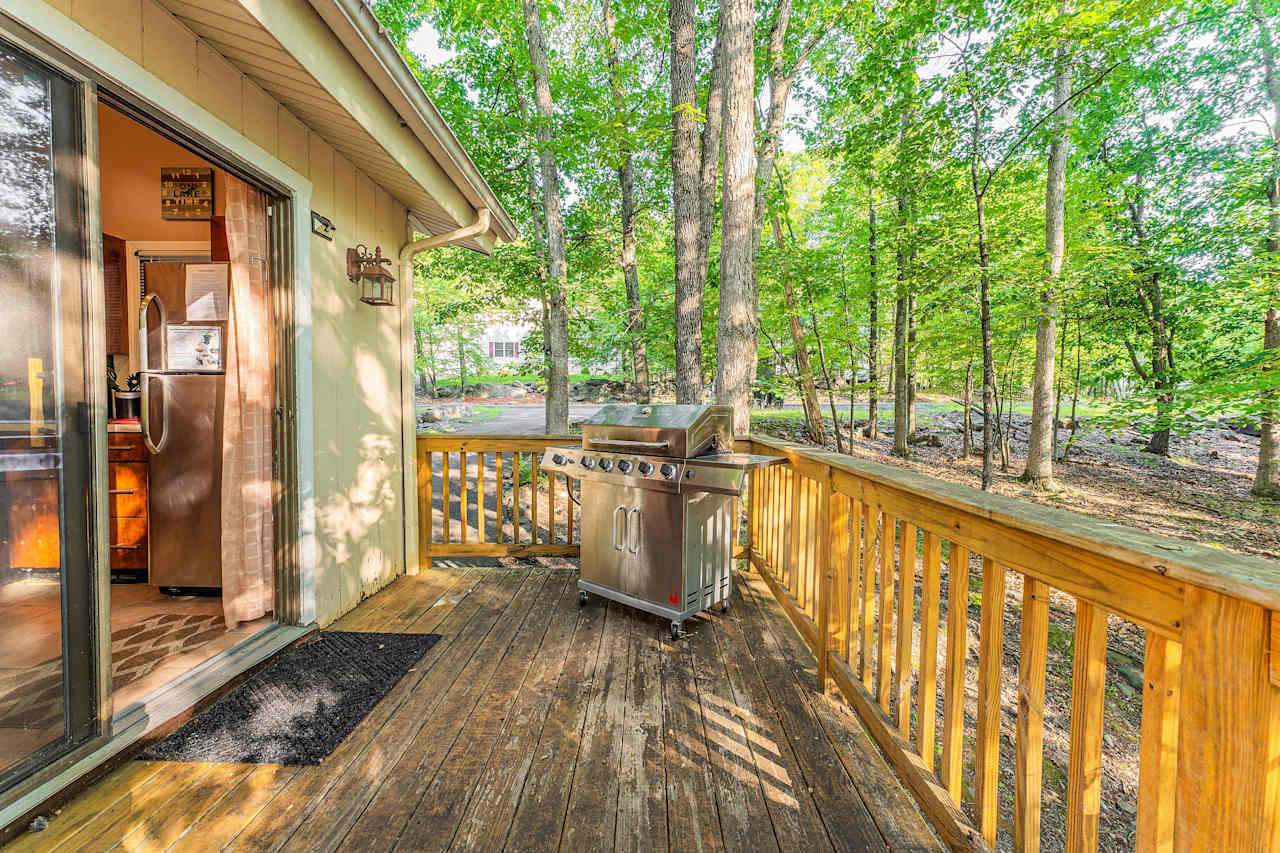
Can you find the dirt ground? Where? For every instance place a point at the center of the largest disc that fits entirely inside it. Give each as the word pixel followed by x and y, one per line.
pixel 1199 493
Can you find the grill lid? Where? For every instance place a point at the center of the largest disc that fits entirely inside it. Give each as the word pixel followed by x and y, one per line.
pixel 660 430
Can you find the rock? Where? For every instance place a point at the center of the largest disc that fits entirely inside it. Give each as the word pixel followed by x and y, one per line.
pixel 442 412
pixel 926 439
pixel 495 390
pixel 445 392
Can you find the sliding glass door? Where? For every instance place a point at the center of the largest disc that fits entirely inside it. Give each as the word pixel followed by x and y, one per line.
pixel 46 645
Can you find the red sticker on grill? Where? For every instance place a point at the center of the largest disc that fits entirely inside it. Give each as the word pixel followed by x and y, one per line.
pixel 675 597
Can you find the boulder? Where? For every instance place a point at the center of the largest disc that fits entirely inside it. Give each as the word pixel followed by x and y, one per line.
pixel 441 412
pixel 446 392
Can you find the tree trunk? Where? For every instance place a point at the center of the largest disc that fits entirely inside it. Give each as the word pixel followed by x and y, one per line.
pixel 804 368
pixel 873 321
pixel 900 395
pixel 911 365
pixel 557 405
pixel 712 134
pixel 1039 470
pixel 967 422
pixel 685 200
pixel 1266 483
pixel 626 183
pixel 984 301
pixel 826 375
pixel 736 336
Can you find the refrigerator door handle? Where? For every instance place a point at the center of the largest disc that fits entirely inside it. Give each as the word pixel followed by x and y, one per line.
pixel 146 373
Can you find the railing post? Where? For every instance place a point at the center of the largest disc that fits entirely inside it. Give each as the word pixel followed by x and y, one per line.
pixel 1228 786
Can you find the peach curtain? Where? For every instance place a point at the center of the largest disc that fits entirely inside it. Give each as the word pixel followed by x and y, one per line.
pixel 248 567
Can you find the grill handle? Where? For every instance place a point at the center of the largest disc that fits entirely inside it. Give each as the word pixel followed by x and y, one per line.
pixel 634 516
pixel 619 542
pixel 631 442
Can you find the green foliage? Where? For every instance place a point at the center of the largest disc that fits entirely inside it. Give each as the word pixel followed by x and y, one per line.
pixel 1165 185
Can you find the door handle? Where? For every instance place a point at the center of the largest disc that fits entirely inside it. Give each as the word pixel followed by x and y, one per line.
pixel 619 542
pixel 121 491
pixel 634 532
pixel 152 445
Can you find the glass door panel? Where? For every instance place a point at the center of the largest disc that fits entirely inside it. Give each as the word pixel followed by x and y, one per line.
pixel 46 676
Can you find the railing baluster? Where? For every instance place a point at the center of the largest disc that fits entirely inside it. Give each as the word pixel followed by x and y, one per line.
pixel 551 507
pixel 462 496
pixel 448 510
pixel 852 553
pixel 906 618
pixel 990 659
pixel 927 692
pixel 515 498
pixel 1084 774
pixel 1158 759
pixel 957 655
pixel 425 509
pixel 533 497
pixel 838 542
pixel 1029 761
pixel 793 535
pixel 500 495
pixel 867 604
pixel 884 649
pixel 482 521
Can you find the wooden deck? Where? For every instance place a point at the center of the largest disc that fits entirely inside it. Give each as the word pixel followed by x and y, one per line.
pixel 538 725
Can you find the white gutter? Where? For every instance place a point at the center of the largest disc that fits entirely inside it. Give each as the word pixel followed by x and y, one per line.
pixel 409 484
pixel 481 225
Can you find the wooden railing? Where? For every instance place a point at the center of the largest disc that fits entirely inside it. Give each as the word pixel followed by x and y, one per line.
pixel 878 568
pixel 882 572
pixel 485 496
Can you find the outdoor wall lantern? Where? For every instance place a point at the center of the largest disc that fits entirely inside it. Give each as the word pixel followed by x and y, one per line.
pixel 368 272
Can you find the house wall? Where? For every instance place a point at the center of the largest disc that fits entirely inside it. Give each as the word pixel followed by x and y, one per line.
pixel 356 348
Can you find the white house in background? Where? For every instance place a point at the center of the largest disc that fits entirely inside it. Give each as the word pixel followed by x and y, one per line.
pixel 502 339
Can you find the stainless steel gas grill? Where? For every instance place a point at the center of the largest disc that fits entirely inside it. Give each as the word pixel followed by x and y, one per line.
pixel 658 489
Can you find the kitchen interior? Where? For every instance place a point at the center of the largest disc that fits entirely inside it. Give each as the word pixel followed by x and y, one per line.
pixel 168 290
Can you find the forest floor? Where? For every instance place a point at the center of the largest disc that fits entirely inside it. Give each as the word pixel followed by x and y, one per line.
pixel 1200 492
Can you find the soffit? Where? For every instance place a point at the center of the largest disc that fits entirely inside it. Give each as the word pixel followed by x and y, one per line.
pixel 230 30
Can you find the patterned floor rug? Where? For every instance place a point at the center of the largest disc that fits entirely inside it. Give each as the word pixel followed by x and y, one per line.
pixel 31 698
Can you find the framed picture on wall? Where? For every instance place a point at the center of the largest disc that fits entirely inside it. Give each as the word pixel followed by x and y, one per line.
pixel 186 192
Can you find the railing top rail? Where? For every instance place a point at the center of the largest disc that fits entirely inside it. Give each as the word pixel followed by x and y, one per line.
pixel 494 437
pixel 1249 578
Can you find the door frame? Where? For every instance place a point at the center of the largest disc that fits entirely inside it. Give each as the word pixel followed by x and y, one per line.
pixel 106 75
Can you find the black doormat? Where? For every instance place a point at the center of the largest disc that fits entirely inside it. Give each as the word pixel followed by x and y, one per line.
pixel 298 709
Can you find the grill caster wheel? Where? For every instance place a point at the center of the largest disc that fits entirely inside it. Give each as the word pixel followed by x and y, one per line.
pixel 677 630
pixel 724 606
pixel 582 598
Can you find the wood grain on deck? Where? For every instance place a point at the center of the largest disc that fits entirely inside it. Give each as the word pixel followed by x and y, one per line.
pixel 538 725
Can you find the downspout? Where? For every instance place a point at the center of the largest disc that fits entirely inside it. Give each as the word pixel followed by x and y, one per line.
pixel 410 451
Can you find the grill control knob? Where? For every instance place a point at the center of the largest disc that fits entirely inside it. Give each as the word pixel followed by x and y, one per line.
pixel 624 465
pixel 667 471
pixel 557 458
pixel 646 468
pixel 606 464
pixel 588 462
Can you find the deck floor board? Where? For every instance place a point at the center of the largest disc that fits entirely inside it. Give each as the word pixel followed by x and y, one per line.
pixel 536 724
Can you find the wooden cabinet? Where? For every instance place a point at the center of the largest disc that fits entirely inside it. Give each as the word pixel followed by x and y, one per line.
pixel 128 481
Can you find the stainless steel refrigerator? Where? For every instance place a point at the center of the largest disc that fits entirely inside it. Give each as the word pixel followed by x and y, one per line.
pixel 183 383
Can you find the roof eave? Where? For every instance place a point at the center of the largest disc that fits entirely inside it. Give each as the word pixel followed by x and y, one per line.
pixel 365 38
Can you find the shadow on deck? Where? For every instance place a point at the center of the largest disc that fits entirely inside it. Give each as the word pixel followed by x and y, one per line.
pixel 538 725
